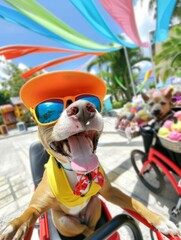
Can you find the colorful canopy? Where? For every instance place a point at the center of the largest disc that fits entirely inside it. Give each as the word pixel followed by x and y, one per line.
pixel 90 12
pixel 164 12
pixel 30 72
pixel 11 52
pixel 146 77
pixel 123 13
pixel 43 17
pixel 33 16
pixel 15 51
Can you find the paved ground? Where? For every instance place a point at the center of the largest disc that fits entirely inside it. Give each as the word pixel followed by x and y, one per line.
pixel 16 185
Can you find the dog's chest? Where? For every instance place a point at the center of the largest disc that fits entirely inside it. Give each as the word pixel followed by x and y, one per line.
pixel 71 178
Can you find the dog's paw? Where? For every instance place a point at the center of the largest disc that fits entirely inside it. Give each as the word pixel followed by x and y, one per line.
pixel 168 228
pixel 13 232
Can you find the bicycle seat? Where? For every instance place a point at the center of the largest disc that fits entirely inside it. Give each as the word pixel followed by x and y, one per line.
pixel 38 158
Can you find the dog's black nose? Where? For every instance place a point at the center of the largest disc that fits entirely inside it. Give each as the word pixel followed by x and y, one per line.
pixel 157 112
pixel 82 110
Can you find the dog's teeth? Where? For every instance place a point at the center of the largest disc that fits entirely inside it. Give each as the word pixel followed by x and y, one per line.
pixel 53 147
pixel 90 142
pixel 65 148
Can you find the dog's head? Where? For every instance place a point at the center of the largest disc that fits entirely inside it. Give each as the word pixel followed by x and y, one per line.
pixel 66 107
pixel 158 101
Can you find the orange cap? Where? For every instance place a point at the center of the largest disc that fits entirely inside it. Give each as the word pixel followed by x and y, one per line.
pixel 61 84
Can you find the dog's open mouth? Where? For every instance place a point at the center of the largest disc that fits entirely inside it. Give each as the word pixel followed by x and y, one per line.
pixel 80 148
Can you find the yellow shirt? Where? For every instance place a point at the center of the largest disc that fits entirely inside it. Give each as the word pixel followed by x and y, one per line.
pixel 61 188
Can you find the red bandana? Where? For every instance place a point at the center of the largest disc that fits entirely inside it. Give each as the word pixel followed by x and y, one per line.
pixel 84 181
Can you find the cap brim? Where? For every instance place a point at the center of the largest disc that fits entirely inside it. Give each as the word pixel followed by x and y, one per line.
pixel 61 84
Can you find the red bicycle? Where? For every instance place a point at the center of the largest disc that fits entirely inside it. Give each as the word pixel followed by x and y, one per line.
pixel 156 163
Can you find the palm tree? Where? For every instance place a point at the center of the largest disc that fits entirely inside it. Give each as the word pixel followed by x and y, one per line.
pixel 113 69
pixel 170 54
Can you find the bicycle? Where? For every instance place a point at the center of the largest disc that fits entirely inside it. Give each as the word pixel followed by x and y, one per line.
pixel 156 163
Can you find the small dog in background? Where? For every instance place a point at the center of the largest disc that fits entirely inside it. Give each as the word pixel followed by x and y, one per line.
pixel 159 102
pixel 66 105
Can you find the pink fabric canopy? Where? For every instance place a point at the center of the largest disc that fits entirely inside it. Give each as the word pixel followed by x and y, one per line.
pixel 122 12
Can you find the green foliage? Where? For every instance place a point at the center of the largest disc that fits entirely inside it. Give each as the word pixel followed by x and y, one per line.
pixel 151 85
pixel 10 86
pixel 118 104
pixel 113 66
pixel 170 54
pixel 4 97
pixel 1 119
pixel 27 118
pixel 15 81
pixel 178 73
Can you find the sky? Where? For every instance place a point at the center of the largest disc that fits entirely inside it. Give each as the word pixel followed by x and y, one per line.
pixel 12 34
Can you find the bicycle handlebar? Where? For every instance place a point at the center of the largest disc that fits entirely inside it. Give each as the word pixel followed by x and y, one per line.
pixel 108 228
pixel 111 226
pixel 146 223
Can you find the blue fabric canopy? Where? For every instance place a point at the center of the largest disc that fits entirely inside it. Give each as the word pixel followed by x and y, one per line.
pixel 20 19
pixel 164 12
pixel 89 10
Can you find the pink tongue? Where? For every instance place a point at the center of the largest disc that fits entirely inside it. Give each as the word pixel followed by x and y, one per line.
pixel 83 160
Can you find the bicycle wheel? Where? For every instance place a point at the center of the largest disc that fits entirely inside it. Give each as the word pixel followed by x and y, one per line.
pixel 152 177
pixel 130 230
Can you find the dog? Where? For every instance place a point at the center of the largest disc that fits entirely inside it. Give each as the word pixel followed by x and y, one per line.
pixel 66 105
pixel 159 103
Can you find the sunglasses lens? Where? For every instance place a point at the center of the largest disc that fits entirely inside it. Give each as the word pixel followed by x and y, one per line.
pixel 92 99
pixel 49 111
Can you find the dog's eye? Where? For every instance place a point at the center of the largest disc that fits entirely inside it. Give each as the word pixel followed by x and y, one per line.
pixel 151 104
pixel 163 103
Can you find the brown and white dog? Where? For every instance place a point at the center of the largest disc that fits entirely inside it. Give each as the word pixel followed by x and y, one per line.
pixel 158 102
pixel 71 141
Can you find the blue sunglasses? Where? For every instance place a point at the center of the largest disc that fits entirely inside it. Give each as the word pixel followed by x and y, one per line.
pixel 49 111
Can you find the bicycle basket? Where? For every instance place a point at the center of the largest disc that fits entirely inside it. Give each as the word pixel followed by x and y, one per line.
pixel 174 146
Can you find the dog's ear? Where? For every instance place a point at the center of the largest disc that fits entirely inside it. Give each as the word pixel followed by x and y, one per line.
pixel 144 96
pixel 168 92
